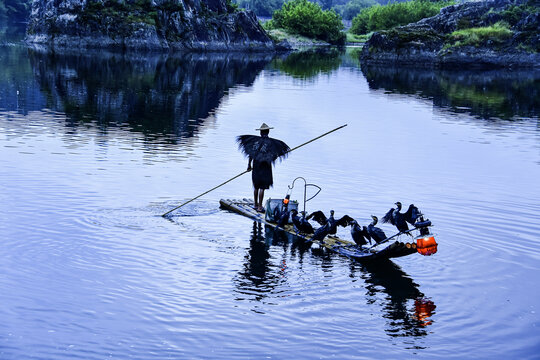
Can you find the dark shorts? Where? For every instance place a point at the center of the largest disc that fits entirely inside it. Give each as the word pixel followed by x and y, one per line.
pixel 262 175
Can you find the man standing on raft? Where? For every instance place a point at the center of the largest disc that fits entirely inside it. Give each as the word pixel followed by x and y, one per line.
pixel 262 151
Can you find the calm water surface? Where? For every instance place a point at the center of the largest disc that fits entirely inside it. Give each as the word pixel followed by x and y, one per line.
pixel 95 146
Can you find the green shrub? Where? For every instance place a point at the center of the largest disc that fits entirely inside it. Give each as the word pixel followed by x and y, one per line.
pixel 514 13
pixel 308 19
pixel 353 8
pixel 496 33
pixel 395 14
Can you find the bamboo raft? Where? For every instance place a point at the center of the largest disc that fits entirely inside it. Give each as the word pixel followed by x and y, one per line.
pixel 346 248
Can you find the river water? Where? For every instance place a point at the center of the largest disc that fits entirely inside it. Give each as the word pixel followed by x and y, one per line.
pixel 95 146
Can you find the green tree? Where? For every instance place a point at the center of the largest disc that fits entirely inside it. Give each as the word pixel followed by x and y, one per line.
pixel 395 14
pixel 309 19
pixel 353 8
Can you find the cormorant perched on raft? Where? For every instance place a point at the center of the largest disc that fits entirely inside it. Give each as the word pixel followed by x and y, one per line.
pixel 301 224
pixel 262 151
pixel 376 233
pixel 400 220
pixel 359 234
pixel 319 217
pixel 282 216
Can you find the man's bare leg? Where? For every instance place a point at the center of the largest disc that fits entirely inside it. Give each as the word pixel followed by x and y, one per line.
pixel 256 197
pixel 261 197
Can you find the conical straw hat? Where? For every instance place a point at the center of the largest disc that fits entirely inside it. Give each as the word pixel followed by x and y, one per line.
pixel 264 127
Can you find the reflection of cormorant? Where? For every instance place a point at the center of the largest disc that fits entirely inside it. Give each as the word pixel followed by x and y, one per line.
pixel 376 233
pixel 402 291
pixel 400 220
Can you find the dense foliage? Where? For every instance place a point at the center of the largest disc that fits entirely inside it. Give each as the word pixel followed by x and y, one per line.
pixel 395 14
pixel 309 19
pixel 15 9
pixel 514 13
pixel 353 8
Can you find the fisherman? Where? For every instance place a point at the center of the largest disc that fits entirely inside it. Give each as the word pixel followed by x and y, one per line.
pixel 262 152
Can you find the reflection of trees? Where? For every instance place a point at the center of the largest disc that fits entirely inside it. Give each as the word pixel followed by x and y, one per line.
pixel 488 94
pixel 310 63
pixel 16 73
pixel 156 94
pixel 18 90
pixel 405 307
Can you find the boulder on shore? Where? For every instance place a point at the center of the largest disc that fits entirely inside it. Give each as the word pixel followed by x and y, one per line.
pixel 503 33
pixel 146 25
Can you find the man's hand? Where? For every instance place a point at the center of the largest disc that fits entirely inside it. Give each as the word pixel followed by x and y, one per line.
pixel 249 167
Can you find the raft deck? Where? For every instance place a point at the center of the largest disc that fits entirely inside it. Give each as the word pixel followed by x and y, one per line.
pixel 341 246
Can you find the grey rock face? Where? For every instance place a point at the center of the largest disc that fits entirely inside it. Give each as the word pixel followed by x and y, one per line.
pixel 146 24
pixel 428 43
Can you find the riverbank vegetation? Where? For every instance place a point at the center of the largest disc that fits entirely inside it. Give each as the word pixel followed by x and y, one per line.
pixel 386 17
pixel 308 19
pixel 496 33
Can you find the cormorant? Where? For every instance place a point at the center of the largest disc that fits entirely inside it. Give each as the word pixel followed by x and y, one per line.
pixel 281 216
pixel 300 223
pixel 376 233
pixel 359 234
pixel 399 220
pixel 319 217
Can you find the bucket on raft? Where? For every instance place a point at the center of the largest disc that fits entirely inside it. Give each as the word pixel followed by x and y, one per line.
pixel 426 244
pixel 271 205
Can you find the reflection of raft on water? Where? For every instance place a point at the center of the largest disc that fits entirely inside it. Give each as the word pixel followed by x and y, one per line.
pixel 425 243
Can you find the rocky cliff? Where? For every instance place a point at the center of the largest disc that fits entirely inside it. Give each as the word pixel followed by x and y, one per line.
pixel 146 24
pixel 491 33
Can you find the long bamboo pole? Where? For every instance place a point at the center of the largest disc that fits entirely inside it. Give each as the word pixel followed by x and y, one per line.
pixel 244 172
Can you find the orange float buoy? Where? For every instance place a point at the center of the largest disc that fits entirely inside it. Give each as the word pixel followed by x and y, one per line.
pixel 426 245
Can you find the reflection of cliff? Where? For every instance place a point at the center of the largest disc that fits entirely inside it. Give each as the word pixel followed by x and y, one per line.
pixel 407 311
pixel 153 94
pixel 310 63
pixel 486 94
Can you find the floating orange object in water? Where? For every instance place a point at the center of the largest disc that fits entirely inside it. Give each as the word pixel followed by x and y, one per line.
pixel 426 245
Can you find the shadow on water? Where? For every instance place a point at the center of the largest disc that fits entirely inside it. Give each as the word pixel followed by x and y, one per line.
pixel 405 307
pixel 258 277
pixel 490 95
pixel 166 96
